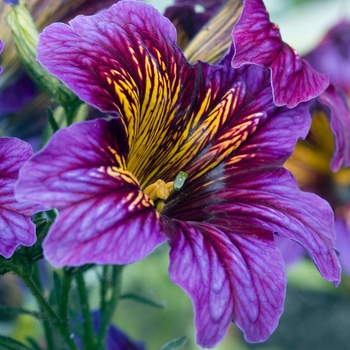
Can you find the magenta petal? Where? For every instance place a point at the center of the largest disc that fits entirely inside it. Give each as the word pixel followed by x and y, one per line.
pixel 291 251
pixel 104 216
pixel 1 48
pixel 279 206
pixel 342 229
pixel 16 227
pixel 334 103
pixel 105 229
pixel 258 41
pixel 332 55
pixel 229 276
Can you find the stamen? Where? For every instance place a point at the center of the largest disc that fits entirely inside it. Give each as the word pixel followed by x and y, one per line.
pixel 159 190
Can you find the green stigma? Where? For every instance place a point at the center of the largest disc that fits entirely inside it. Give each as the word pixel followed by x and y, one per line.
pixel 179 180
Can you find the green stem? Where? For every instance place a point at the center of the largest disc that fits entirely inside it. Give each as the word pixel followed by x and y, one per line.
pixel 88 339
pixel 63 307
pixel 43 304
pixel 104 288
pixel 46 324
pixel 111 306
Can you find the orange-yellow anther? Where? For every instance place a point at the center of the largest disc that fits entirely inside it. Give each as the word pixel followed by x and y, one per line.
pixel 159 190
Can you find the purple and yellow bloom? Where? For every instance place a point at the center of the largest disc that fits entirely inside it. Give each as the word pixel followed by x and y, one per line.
pixel 16 227
pixel 114 181
pixel 321 161
pixel 332 56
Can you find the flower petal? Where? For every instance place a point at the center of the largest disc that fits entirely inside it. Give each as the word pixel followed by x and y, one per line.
pixel 104 216
pixel 16 227
pixel 14 97
pixel 342 228
pixel 335 105
pixel 229 276
pixel 279 206
pixel 1 48
pixel 252 187
pixel 166 104
pixel 332 55
pixel 291 251
pixel 258 41
pixel 258 135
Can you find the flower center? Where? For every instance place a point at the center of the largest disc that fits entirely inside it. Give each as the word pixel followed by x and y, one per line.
pixel 160 191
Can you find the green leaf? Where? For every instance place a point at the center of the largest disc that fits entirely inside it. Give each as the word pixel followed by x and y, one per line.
pixel 174 344
pixel 18 310
pixel 11 344
pixel 52 120
pixel 142 300
pixel 180 180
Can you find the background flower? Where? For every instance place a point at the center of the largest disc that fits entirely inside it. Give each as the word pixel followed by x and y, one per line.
pixel 16 227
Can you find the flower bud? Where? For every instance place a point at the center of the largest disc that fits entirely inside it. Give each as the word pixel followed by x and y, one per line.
pixel 25 35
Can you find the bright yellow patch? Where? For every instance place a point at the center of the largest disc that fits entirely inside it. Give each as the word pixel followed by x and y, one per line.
pixel 159 190
pixel 311 157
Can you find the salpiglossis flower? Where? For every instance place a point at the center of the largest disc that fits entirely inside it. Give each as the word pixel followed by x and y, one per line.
pixel 112 180
pixel 16 227
pixel 321 161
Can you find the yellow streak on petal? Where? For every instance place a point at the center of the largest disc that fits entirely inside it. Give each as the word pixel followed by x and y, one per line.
pixel 136 202
pixel 120 160
pixel 156 104
pixel 206 131
pixel 119 173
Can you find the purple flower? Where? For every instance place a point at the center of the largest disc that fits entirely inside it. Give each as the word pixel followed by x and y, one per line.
pixel 1 48
pixel 310 163
pixel 342 227
pixel 332 55
pixel 16 227
pixel 14 97
pixel 115 339
pixel 321 162
pixel 258 41
pixel 12 2
pixel 113 180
